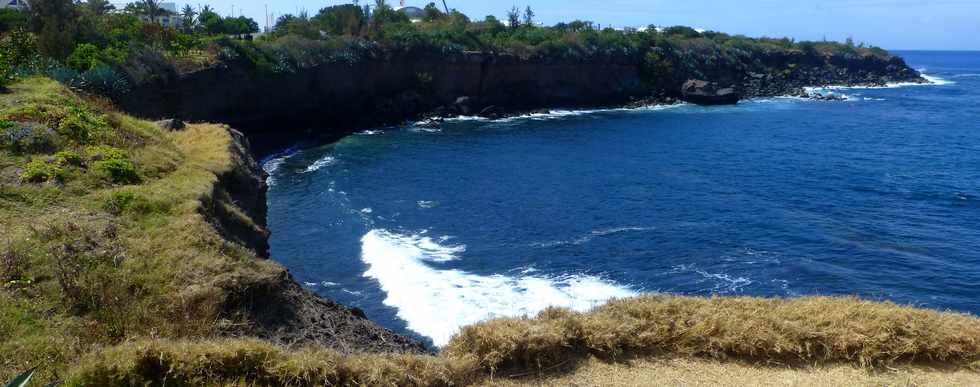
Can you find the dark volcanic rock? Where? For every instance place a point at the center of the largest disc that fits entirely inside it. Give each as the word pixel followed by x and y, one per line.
pixel 283 312
pixel 708 93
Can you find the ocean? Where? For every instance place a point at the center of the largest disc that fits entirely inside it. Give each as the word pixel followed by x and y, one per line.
pixel 427 230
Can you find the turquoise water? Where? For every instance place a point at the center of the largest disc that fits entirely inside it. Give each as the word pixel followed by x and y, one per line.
pixel 427 230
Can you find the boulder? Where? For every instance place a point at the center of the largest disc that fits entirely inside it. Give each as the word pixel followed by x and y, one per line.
pixel 708 93
pixel 171 124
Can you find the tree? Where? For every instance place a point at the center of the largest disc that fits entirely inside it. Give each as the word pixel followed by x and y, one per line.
pixel 188 12
pixel 528 17
pixel 346 19
pixel 99 7
pixel 432 13
pixel 55 23
pixel 514 17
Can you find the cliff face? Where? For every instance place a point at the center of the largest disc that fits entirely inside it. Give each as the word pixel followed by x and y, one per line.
pixel 377 92
pixel 339 97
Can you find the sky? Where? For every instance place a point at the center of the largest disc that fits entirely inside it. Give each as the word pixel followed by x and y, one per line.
pixel 891 24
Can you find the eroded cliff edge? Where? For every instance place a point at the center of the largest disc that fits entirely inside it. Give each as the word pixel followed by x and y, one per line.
pixel 275 307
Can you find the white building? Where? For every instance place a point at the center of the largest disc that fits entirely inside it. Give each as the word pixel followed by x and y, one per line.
pixel 13 4
pixel 171 19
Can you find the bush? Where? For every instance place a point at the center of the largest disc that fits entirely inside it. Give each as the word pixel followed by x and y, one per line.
pixel 69 158
pixel 40 171
pixel 104 152
pixel 83 125
pixel 12 19
pixel 104 80
pixel 118 171
pixel 84 57
pixel 13 265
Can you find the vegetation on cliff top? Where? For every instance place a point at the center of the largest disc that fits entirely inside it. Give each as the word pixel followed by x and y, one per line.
pixel 91 46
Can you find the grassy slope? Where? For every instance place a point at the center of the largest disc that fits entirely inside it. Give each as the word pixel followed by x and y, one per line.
pixel 88 261
pixel 121 283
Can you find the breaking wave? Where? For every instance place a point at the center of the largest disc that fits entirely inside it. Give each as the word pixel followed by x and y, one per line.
pixel 437 302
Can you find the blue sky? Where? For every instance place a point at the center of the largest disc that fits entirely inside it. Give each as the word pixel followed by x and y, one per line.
pixel 892 24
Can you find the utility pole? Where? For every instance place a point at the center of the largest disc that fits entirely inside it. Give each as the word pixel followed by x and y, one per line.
pixel 445 6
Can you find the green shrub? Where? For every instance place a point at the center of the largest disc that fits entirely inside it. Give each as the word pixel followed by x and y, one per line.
pixel 104 152
pixel 119 171
pixel 84 57
pixel 104 80
pixel 69 158
pixel 40 171
pixel 83 125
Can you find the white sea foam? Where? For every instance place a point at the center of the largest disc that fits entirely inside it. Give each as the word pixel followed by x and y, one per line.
pixel 369 132
pixel 327 160
pixel 966 76
pixel 271 166
pixel 436 302
pixel 937 80
pixel 560 113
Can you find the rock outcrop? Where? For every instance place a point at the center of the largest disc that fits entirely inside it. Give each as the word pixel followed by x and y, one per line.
pixel 708 93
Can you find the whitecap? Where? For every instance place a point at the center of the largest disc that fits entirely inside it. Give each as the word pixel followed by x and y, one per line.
pixel 427 204
pixel 437 302
pixel 966 76
pixel 327 160
pixel 369 132
pixel 352 292
pixel 937 80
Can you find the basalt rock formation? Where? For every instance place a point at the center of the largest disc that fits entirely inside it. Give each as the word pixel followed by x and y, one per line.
pixel 338 98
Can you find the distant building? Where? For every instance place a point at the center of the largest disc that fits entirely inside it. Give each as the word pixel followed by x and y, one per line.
pixel 171 19
pixel 415 14
pixel 14 4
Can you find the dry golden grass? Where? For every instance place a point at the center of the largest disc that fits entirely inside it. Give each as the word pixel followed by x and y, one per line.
pixel 803 330
pixel 702 372
pixel 806 341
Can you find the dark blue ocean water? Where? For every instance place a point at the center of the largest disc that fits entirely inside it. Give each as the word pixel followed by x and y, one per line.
pixel 427 230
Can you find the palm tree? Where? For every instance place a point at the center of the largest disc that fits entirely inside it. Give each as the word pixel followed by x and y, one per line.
pixel 152 8
pixel 188 13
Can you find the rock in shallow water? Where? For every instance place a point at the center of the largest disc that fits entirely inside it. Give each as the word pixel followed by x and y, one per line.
pixel 708 93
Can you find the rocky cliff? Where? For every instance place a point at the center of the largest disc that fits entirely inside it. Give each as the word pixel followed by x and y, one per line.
pixel 339 97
